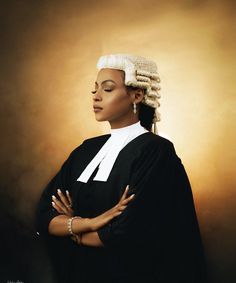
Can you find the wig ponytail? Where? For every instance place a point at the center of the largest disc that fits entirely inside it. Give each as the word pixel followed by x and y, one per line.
pixel 146 116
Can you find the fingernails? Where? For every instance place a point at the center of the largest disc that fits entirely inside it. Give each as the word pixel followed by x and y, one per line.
pixel 67 192
pixel 132 195
pixel 59 191
pixel 127 187
pixel 53 197
pixel 53 203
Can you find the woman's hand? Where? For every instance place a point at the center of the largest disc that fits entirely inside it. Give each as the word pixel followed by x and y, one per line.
pixel 63 204
pixel 107 216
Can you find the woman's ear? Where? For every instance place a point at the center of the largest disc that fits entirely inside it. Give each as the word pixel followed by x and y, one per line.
pixel 138 95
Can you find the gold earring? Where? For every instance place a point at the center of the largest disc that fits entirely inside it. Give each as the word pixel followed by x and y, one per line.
pixel 134 108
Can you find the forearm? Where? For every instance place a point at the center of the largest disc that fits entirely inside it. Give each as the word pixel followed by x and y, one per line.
pixel 91 239
pixel 59 226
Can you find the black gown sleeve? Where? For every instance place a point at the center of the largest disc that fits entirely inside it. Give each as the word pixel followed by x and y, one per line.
pixel 45 212
pixel 150 183
pixel 162 216
pixel 61 250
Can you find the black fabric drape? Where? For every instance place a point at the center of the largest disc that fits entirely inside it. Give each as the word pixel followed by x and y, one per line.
pixel 156 239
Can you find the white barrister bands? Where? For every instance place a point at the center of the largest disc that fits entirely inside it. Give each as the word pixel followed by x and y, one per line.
pixel 107 155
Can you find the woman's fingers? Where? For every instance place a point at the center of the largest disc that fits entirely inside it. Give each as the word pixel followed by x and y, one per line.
pixel 108 215
pixel 64 199
pixel 57 204
pixel 121 207
pixel 125 193
pixel 124 199
pixel 58 209
pixel 122 204
pixel 64 202
pixel 115 211
pixel 127 200
pixel 62 205
pixel 69 197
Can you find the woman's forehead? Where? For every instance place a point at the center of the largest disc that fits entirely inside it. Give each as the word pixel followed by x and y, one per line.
pixel 110 75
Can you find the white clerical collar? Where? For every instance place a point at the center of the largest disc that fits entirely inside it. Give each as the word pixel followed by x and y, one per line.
pixel 127 130
pixel 107 155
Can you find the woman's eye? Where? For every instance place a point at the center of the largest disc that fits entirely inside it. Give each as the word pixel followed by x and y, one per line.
pixel 94 91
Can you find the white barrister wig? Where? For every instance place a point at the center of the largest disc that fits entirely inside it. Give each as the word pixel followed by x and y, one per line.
pixel 139 72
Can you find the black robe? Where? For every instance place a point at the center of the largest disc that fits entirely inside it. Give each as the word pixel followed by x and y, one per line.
pixel 156 239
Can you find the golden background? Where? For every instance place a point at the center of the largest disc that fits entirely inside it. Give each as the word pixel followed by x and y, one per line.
pixel 49 51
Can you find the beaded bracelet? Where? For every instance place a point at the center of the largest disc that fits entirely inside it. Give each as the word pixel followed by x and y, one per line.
pixel 69 225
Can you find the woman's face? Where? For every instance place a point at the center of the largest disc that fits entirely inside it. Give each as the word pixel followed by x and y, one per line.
pixel 112 102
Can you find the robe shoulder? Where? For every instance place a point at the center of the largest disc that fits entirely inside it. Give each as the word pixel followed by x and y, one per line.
pixel 155 148
pixel 148 142
pixel 97 141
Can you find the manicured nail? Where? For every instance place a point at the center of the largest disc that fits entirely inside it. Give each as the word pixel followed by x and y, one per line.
pixel 67 192
pixel 59 191
pixel 53 203
pixel 53 197
pixel 132 195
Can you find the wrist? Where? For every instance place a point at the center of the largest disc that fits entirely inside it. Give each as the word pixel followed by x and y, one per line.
pixel 69 225
pixel 81 225
pixel 92 225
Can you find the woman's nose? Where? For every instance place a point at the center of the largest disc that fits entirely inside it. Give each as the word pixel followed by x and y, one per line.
pixel 97 96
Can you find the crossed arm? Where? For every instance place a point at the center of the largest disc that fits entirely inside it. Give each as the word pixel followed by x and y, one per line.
pixel 86 227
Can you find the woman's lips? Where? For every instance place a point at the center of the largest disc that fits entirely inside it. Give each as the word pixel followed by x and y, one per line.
pixel 97 109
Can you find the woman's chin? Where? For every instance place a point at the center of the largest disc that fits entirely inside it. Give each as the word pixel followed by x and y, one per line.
pixel 100 119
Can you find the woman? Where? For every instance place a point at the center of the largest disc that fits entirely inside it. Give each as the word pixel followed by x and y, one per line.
pixel 121 209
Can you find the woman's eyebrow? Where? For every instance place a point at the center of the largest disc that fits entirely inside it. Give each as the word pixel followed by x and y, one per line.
pixel 105 82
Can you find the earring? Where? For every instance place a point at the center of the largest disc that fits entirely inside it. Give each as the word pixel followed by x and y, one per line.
pixel 134 108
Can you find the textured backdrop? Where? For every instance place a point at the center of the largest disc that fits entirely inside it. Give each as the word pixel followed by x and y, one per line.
pixel 48 54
